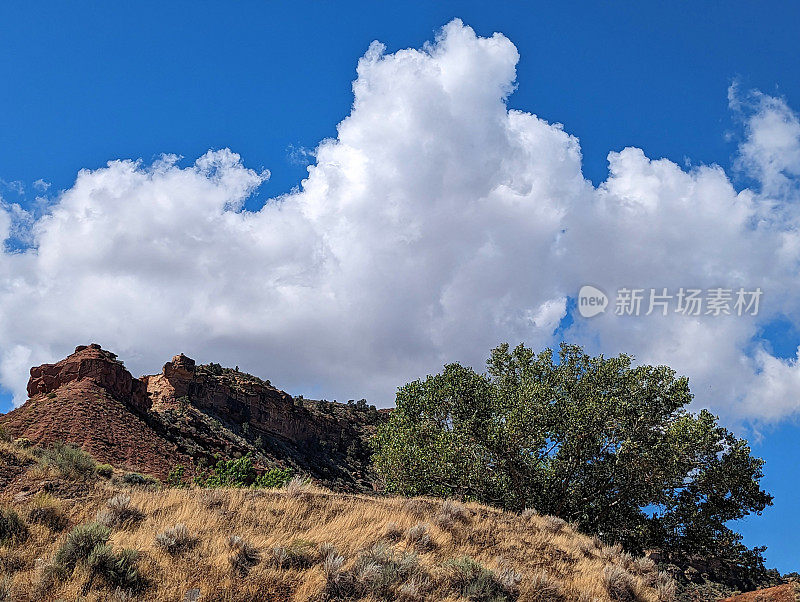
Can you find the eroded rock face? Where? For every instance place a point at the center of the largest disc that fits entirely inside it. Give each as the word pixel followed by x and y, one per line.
pixel 166 389
pixel 232 399
pixel 190 415
pixel 94 364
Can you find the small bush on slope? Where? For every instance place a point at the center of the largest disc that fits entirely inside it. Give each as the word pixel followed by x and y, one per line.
pixel 13 529
pixel 473 581
pixel 79 544
pixel 105 470
pixel 136 479
pixel 175 540
pixel 241 473
pixel 87 545
pixel 119 512
pixel 70 461
pixel 46 510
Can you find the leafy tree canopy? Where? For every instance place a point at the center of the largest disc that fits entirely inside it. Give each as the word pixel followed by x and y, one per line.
pixel 593 440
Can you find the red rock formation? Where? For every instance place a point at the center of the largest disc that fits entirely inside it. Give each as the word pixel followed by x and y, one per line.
pixel 95 365
pixel 91 400
pixel 188 415
pixel 233 399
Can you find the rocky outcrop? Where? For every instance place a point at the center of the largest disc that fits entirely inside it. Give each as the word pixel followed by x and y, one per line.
pixel 191 415
pixel 235 398
pixel 96 365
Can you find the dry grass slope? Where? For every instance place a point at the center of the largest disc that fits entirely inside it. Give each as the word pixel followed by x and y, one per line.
pixel 297 543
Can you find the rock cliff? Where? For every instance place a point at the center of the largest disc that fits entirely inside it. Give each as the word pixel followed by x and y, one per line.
pixel 191 415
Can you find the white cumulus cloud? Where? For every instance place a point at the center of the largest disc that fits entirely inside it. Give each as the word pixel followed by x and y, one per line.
pixel 438 223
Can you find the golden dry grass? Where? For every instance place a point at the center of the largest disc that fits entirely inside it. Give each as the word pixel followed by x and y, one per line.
pixel 532 557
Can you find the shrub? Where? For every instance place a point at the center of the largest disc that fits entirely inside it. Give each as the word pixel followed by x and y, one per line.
pixel 473 581
pixel 418 508
pixel 87 545
pixel 380 570
pixel 175 540
pixel 175 477
pixel 105 470
pixel 115 570
pixel 451 512
pixel 46 510
pixel 136 479
pixel 420 537
pixel 553 524
pixel 508 579
pixel 332 565
pixel 70 461
pixel 665 586
pixel 119 512
pixel 274 478
pixel 414 589
pixel 393 532
pixel 79 544
pixel 296 487
pixel 643 565
pixel 300 553
pixel 13 529
pixel 619 583
pixel 241 473
pixel 544 588
pixel 243 555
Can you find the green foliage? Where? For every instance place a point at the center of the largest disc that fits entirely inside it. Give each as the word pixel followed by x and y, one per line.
pixel 214 369
pixel 87 545
pixel 592 440
pixel 114 569
pixel 240 472
pixel 274 478
pixel 71 461
pixel 13 529
pixel 176 476
pixel 139 480
pixel 79 544
pixel 105 470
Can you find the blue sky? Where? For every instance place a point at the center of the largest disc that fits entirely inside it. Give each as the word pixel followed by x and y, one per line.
pixel 88 83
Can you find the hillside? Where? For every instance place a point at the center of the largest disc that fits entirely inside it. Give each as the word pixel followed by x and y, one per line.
pixel 299 542
pixel 788 592
pixel 188 415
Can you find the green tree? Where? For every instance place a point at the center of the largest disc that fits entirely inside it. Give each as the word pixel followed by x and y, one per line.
pixel 593 440
pixel 241 472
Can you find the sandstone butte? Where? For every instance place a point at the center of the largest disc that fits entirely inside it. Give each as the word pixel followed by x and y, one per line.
pixel 190 415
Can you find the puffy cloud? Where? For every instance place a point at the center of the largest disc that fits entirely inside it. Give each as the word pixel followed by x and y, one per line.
pixel 5 224
pixel 437 224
